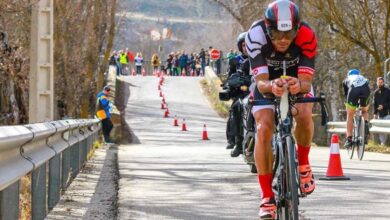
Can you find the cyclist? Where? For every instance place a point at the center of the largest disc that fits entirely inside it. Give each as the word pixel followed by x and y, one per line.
pixel 239 64
pixel 281 36
pixel 356 88
pixel 243 69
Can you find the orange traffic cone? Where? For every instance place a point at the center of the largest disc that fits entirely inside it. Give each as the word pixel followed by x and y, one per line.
pixel 133 72
pixel 166 115
pixel 205 136
pixel 163 99
pixel 192 72
pixel 184 126
pixel 183 72
pixel 335 171
pixel 161 95
pixel 175 123
pixel 162 105
pixel 143 72
pixel 159 87
pixel 201 72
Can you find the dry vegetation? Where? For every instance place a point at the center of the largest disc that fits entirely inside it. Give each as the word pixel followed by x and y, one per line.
pixel 84 33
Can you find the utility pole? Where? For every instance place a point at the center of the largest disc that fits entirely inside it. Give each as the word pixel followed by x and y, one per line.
pixel 41 100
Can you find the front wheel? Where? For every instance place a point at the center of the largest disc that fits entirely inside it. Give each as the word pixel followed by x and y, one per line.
pixel 292 175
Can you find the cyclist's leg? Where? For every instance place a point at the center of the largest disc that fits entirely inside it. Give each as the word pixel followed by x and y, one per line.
pixel 304 130
pixel 351 105
pixel 263 159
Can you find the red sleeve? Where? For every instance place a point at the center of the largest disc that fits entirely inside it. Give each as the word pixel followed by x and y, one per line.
pixel 307 41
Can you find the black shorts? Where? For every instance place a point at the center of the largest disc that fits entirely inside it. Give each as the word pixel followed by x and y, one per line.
pixel 358 95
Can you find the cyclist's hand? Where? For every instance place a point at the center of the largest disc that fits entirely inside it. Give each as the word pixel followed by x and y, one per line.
pixel 278 86
pixel 380 107
pixel 294 87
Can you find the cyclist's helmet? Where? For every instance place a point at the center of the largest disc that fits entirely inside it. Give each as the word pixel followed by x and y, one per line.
pixel 353 72
pixel 282 15
pixel 240 39
pixel 107 88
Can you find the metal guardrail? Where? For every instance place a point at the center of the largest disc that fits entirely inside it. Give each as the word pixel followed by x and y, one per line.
pixel 63 146
pixel 377 126
pixel 380 126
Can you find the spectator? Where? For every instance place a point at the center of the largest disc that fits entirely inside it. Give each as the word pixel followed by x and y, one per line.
pixel 138 62
pixel 155 62
pixel 230 55
pixel 183 63
pixel 103 112
pixel 175 64
pixel 130 57
pixel 169 64
pixel 124 61
pixel 202 57
pixel 114 62
pixel 208 55
pixel 382 105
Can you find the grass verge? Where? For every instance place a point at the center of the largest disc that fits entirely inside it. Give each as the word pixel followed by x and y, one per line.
pixel 373 147
pixel 222 108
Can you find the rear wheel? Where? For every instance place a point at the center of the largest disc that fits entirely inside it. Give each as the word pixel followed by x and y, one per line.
pixel 361 138
pixel 351 149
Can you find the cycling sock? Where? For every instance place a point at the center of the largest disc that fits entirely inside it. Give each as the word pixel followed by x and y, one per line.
pixel 303 155
pixel 266 185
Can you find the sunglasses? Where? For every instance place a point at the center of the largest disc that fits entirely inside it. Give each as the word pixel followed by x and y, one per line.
pixel 278 35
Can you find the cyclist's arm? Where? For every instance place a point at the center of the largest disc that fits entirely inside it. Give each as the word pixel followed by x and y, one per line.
pixel 263 83
pixel 305 82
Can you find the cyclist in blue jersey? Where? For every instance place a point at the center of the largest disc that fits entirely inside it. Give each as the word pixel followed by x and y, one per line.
pixel 357 90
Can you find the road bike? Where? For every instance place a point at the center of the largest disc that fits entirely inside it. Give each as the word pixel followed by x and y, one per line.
pixel 359 136
pixel 286 177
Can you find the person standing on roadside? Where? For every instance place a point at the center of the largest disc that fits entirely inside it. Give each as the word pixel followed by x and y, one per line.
pixel 138 62
pixel 382 105
pixel 103 112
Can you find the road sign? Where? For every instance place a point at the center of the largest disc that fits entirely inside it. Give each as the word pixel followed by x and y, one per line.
pixel 215 54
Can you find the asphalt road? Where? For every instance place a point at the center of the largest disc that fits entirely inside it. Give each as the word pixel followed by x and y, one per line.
pixel 172 174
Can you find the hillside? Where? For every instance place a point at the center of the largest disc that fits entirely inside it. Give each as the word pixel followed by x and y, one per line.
pixel 194 24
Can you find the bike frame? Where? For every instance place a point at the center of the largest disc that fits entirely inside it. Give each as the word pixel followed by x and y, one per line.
pixel 285 158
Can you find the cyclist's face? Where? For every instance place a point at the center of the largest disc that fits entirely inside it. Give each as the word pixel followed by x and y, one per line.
pixel 243 46
pixel 282 39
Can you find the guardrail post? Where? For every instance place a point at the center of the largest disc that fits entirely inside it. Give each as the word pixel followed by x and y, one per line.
pixel 74 159
pixel 65 168
pixel 9 202
pixel 38 193
pixel 54 181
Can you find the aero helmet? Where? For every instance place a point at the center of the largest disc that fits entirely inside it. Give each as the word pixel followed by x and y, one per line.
pixel 240 39
pixel 353 72
pixel 282 15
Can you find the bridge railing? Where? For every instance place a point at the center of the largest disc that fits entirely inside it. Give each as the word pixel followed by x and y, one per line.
pixel 53 152
pixel 377 126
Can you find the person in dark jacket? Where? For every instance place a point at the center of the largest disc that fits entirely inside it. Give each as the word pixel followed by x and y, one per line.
pixel 103 112
pixel 235 127
pixel 382 104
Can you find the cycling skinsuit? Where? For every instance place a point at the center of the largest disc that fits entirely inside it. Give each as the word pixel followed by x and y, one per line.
pixel 357 90
pixel 265 59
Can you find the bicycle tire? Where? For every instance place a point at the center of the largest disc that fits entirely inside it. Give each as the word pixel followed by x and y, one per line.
pixel 351 149
pixel 361 142
pixel 292 199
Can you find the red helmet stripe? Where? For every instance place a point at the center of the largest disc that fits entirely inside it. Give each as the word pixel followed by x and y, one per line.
pixel 292 14
pixel 276 13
